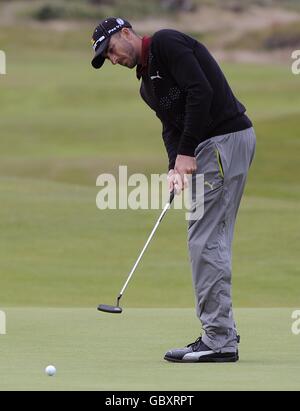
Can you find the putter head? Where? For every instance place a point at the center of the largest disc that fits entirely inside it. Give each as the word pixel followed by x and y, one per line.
pixel 109 309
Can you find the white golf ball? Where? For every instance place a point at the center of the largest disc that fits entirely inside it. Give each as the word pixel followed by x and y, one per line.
pixel 50 370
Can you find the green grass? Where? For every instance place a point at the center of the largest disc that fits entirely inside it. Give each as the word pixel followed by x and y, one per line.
pixel 60 250
pixel 62 124
pixel 97 351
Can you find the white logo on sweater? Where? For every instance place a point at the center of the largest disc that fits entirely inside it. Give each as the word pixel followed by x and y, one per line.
pixel 157 76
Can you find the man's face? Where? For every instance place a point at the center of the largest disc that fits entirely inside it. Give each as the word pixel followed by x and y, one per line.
pixel 121 50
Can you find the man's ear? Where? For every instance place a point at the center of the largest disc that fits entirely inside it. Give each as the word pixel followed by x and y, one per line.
pixel 126 33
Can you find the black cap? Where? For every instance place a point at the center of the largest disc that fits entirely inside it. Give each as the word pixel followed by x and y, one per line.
pixel 101 37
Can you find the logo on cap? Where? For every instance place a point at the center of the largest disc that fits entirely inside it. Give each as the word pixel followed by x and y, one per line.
pixel 95 44
pixel 120 21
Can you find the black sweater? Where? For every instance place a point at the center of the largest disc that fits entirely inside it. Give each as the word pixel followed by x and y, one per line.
pixel 189 93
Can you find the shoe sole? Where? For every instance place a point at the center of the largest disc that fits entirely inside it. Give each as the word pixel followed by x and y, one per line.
pixel 231 358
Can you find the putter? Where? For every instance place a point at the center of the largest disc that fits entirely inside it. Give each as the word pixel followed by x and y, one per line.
pixel 116 309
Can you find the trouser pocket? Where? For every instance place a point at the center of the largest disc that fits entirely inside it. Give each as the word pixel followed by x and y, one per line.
pixel 209 164
pixel 219 160
pixel 209 188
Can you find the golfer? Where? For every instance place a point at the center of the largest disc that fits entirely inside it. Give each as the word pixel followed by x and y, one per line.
pixel 205 131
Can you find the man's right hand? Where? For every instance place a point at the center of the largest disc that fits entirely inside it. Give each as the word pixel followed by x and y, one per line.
pixel 175 182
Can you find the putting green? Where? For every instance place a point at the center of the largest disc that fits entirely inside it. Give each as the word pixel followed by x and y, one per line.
pixel 97 351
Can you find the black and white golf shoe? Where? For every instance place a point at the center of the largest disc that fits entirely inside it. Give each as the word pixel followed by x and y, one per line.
pixel 199 352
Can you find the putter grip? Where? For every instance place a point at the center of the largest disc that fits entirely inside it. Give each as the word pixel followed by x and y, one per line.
pixel 172 194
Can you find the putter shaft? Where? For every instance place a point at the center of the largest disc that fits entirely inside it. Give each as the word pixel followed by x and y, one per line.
pixel 167 206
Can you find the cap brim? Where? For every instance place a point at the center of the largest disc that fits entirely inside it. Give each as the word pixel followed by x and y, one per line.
pixel 98 59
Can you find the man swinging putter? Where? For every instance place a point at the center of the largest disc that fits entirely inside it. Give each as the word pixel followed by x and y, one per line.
pixel 205 131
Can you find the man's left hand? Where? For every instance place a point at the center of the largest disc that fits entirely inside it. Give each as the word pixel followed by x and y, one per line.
pixel 184 165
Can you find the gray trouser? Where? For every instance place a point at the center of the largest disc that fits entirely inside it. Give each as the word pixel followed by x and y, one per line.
pixel 224 160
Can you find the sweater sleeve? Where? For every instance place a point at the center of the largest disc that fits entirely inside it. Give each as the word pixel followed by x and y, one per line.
pixel 171 139
pixel 179 59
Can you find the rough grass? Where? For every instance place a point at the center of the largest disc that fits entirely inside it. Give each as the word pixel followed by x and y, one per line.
pixel 276 36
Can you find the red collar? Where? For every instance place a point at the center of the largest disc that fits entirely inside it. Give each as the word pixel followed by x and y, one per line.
pixel 142 68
